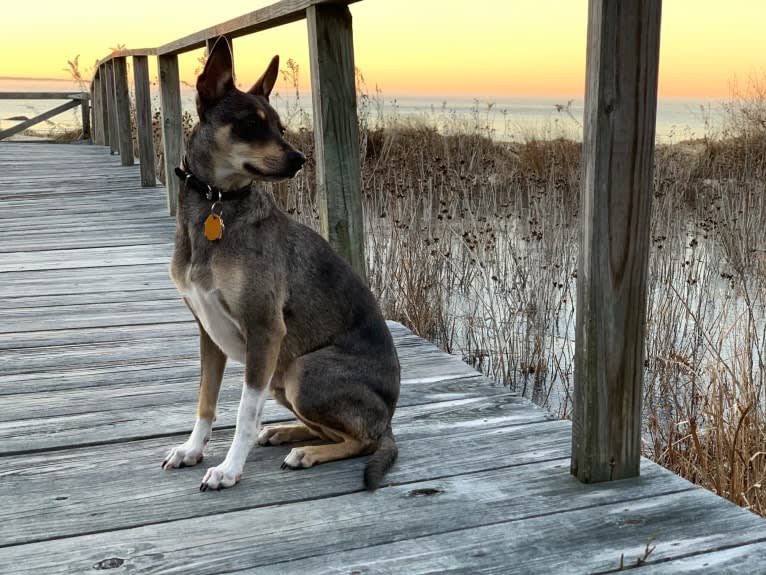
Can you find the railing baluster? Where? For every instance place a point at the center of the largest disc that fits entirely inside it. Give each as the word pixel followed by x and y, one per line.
pixel 122 105
pixel 172 128
pixel 144 120
pixel 336 130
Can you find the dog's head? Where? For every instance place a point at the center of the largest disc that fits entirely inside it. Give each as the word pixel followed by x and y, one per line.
pixel 239 136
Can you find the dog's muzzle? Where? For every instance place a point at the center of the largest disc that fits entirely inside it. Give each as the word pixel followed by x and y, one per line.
pixel 295 161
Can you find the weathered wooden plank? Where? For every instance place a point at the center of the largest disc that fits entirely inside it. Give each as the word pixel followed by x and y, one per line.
pixel 734 560
pixel 92 257
pixel 86 281
pixel 172 127
pixel 122 107
pixel 278 14
pixel 297 531
pixel 590 540
pixel 133 490
pixel 620 110
pixel 21 126
pixel 44 96
pixel 128 53
pixel 92 315
pixel 336 131
pixel 144 120
pixel 111 414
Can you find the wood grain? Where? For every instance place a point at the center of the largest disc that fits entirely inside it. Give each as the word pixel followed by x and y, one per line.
pixel 172 127
pixel 620 110
pixel 144 120
pixel 111 108
pixel 336 131
pixel 122 105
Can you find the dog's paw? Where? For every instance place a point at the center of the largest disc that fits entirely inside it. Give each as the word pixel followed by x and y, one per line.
pixel 220 477
pixel 184 455
pixel 270 436
pixel 298 458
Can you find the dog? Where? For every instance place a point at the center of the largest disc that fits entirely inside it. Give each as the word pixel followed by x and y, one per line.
pixel 272 294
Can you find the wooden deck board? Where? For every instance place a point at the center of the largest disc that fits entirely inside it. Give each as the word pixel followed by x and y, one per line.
pixel 98 378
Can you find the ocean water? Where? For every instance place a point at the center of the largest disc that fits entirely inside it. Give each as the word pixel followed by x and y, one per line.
pixel 512 119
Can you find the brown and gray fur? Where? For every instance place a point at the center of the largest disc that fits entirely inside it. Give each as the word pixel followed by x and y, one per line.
pixel 303 323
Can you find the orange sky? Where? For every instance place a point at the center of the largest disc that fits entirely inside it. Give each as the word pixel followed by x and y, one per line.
pixel 435 47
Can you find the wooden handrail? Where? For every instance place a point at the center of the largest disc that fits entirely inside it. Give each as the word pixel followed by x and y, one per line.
pixel 337 137
pixel 75 99
pixel 272 16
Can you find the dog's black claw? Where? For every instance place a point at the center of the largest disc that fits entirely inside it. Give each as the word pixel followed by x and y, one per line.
pixel 203 486
pixel 163 464
pixel 283 466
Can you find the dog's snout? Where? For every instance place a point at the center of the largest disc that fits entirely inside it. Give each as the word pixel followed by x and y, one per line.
pixel 295 159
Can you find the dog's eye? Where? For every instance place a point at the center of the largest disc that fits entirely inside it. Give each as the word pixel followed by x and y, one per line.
pixel 282 129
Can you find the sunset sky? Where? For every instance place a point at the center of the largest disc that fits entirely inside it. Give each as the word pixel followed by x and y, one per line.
pixel 434 47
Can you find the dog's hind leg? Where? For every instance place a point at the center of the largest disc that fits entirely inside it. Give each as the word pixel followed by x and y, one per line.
pixel 213 363
pixel 288 433
pixel 314 454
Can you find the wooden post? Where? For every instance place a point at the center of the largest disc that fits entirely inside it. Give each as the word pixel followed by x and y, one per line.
pixel 172 129
pixel 85 109
pixel 144 120
pixel 104 105
pixel 122 100
pixel 95 107
pixel 620 111
pixel 111 107
pixel 336 131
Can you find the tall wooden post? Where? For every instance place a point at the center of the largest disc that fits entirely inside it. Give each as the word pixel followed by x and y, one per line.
pixel 95 105
pixel 336 130
pixel 172 128
pixel 111 107
pixel 122 104
pixel 620 110
pixel 103 105
pixel 144 130
pixel 85 113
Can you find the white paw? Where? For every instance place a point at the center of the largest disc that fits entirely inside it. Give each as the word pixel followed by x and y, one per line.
pixel 220 477
pixel 184 455
pixel 269 436
pixel 298 459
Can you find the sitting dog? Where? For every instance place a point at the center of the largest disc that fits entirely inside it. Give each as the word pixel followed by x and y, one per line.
pixel 270 293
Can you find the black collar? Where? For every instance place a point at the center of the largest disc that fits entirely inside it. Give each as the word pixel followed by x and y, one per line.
pixel 209 192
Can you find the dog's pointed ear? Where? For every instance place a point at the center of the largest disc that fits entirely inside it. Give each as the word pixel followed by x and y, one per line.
pixel 266 82
pixel 218 76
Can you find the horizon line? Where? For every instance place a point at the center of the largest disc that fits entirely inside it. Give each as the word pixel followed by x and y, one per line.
pixel 426 93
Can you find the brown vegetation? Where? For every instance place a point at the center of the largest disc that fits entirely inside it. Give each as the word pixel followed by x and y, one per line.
pixel 472 243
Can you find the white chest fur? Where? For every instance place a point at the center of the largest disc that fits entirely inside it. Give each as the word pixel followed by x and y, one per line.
pixel 218 322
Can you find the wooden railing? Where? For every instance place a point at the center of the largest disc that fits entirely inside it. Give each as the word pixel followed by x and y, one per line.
pixel 75 99
pixel 620 108
pixel 336 129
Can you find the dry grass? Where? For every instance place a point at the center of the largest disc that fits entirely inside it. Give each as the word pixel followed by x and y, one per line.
pixel 472 243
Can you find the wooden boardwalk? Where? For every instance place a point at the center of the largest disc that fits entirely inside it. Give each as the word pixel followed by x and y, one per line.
pixel 98 378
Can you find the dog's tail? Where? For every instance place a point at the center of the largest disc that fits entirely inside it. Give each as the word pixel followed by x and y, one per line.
pixel 381 461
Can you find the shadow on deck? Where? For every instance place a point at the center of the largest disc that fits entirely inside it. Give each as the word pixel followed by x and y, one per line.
pixel 98 377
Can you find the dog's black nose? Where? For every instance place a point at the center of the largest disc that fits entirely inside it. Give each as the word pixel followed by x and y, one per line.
pixel 295 160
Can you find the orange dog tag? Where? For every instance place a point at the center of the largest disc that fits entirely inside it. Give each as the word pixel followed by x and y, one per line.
pixel 213 227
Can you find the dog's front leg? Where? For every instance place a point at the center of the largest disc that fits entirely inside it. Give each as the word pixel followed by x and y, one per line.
pixel 260 363
pixel 212 365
